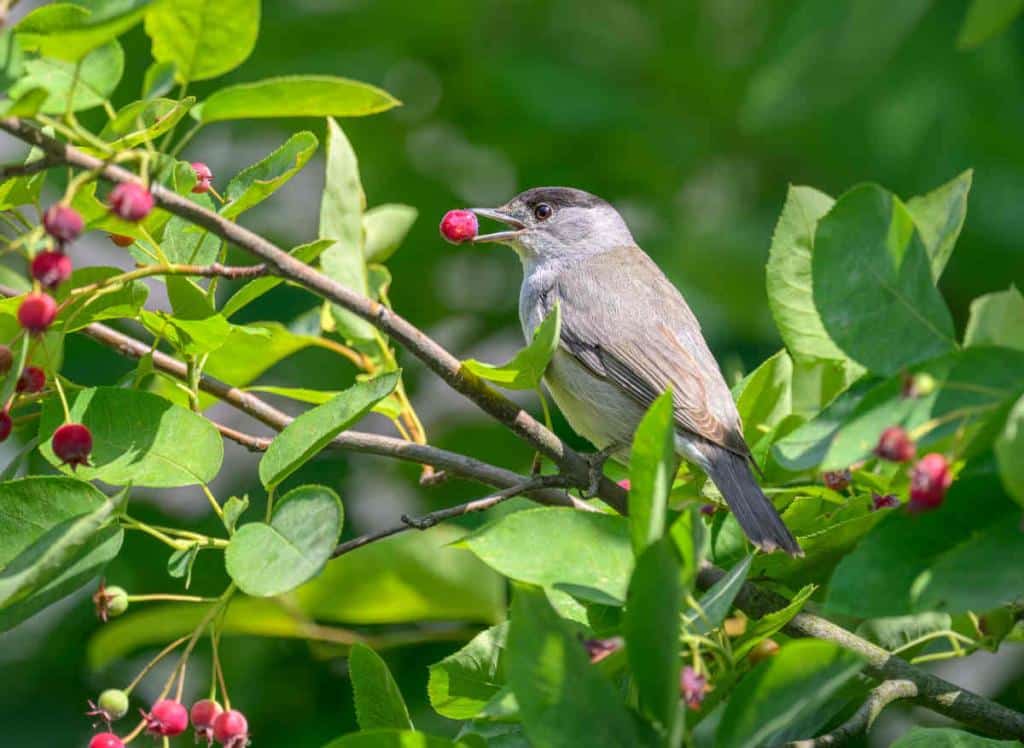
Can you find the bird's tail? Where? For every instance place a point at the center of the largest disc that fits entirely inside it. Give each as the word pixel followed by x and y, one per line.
pixel 755 513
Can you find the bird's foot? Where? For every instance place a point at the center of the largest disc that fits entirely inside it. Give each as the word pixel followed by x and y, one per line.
pixel 595 467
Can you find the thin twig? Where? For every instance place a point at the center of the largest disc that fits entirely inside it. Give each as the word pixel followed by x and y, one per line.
pixel 439 360
pixel 33 167
pixel 430 520
pixel 878 699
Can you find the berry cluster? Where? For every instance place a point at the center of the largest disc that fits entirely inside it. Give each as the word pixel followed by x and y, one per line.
pixel 168 718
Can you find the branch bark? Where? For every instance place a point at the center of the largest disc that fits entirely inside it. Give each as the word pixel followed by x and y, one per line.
pixel 880 697
pixel 439 360
pixel 933 692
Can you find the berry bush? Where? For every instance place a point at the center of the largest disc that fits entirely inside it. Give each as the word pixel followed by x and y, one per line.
pixel 890 442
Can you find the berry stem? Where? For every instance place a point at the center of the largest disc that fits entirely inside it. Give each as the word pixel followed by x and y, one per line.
pixel 156 245
pixel 60 393
pixel 152 663
pixel 218 670
pixel 213 501
pixel 170 598
pixel 134 524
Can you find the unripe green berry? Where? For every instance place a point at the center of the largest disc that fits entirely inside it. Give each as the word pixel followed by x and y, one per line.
pixel 114 702
pixel 117 601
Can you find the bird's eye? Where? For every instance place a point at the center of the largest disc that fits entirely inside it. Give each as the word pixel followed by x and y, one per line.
pixel 542 211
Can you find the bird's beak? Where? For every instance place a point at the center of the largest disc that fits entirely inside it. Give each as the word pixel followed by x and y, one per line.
pixel 502 217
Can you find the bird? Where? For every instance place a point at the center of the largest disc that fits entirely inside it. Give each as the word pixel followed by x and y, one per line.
pixel 627 335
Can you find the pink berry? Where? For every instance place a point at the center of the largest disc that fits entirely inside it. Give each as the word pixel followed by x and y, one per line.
pixel 72 443
pixel 887 501
pixel 6 359
pixel 231 729
pixel 121 240
pixel 599 649
pixel 51 268
pixel 625 484
pixel 131 201
pixel 459 226
pixel 106 740
pixel 62 222
pixel 167 718
pixel 837 480
pixel 693 687
pixel 6 424
pixel 204 713
pixel 929 481
pixel 895 445
pixel 31 381
pixel 37 312
pixel 204 177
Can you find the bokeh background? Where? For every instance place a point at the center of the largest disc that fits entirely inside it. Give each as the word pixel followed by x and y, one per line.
pixel 691 117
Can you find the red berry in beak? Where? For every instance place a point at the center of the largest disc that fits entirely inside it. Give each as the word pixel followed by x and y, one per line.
pixel 51 268
pixel 204 713
pixel 62 222
pixel 929 481
pixel 121 240
pixel 167 718
pixel 204 177
pixel 72 443
pixel 459 226
pixel 231 729
pixel 31 381
pixel 837 480
pixel 130 201
pixel 37 312
pixel 895 445
pixel 106 740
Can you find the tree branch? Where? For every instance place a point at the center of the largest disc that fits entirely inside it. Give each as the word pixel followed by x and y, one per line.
pixel 880 697
pixel 32 167
pixel 439 360
pixel 932 691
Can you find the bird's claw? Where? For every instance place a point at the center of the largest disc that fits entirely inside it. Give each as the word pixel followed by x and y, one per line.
pixel 595 467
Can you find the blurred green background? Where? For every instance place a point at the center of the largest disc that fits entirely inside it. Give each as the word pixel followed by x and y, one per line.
pixel 691 117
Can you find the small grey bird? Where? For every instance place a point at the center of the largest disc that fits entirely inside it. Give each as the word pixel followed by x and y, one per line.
pixel 627 335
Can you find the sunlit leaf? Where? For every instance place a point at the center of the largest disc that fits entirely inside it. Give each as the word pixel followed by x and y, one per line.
pixel 986 19
pixel 384 228
pixel 939 216
pixel 379 703
pixel 203 39
pixel 69 32
pixel 524 370
pixel 256 183
pixel 652 467
pixel 997 319
pixel 98 75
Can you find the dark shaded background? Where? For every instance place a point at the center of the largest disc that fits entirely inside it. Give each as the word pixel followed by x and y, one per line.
pixel 692 117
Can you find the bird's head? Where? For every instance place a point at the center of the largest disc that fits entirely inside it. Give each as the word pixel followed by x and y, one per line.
pixel 556 223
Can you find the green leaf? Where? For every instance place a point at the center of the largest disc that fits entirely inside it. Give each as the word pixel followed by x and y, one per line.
pixel 788 275
pixel 138 439
pixel 783 697
pixel 98 76
pixel 873 284
pixel 463 683
pixel 896 632
pixel 201 38
pixel 652 467
pixel 180 563
pixel 1008 448
pixel 144 121
pixel 948 737
pixel 986 19
pixel 266 560
pixel 122 302
pixel 772 623
pixel 69 32
pixel 408 578
pixel 391 739
pixel 12 59
pixel 765 396
pixel 939 217
pixel 341 219
pixel 551 546
pixel 651 629
pixel 385 228
pixel 563 701
pixel 524 370
pixel 18 191
pixel 190 244
pixel 378 701
pixel 255 288
pixel 256 183
pixel 304 437
pixel 716 603
pixel 55 550
pixel 294 96
pixel 158 80
pixel 997 319
pixel 234 508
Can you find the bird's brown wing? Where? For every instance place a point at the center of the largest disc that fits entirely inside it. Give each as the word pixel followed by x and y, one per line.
pixel 642 336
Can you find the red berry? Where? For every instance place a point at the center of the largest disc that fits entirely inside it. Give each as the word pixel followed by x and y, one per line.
pixel 131 201
pixel 51 268
pixel 458 226
pixel 72 443
pixel 31 381
pixel 231 729
pixel 6 359
pixel 896 445
pixel 888 501
pixel 204 713
pixel 625 484
pixel 106 740
pixel 837 480
pixel 121 240
pixel 6 424
pixel 62 222
pixel 167 718
pixel 203 177
pixel 928 482
pixel 37 312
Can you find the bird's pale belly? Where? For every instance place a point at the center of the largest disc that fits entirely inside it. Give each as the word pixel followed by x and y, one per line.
pixel 598 410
